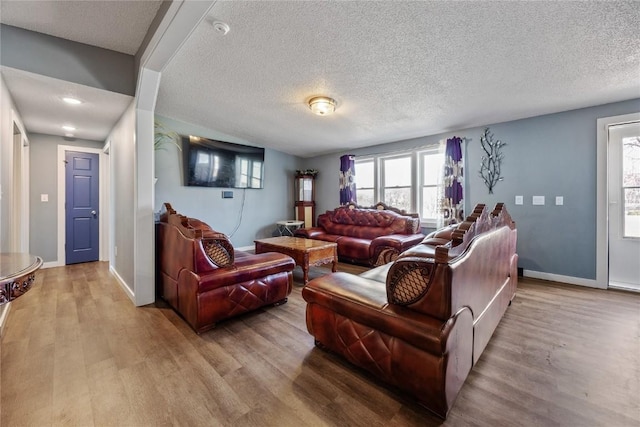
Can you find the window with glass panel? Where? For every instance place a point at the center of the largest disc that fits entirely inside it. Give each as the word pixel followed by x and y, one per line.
pixel 430 177
pixel 408 181
pixel 397 173
pixel 365 179
pixel 631 186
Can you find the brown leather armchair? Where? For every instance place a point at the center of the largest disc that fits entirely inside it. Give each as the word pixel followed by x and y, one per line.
pixel 205 280
pixel 421 322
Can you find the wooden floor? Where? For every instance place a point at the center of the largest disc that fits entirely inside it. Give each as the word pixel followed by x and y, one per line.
pixel 76 352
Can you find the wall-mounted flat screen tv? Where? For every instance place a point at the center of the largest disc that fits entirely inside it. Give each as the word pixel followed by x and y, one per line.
pixel 211 163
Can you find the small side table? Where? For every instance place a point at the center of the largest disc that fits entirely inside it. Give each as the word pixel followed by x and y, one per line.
pixel 17 273
pixel 286 228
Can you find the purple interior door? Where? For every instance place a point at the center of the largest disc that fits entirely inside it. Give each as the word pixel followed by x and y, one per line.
pixel 82 199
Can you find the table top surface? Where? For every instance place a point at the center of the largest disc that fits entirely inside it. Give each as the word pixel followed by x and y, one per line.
pixel 290 222
pixel 298 243
pixel 14 265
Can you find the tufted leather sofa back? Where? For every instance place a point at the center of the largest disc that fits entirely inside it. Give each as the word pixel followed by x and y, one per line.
pixel 367 223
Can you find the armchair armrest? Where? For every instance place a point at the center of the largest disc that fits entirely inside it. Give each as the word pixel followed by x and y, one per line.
pixel 398 241
pixel 309 232
pixel 385 249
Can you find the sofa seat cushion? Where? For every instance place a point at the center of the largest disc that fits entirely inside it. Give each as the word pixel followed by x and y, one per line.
pixel 379 274
pixel 365 301
pixel 246 268
pixel 354 248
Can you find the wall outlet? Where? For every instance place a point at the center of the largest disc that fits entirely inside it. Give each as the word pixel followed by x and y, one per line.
pixel 227 194
pixel 537 200
pixel 559 200
pixel 519 200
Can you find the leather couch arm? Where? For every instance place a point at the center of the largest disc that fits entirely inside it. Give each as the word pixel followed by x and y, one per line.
pixel 385 249
pixel 309 233
pixel 401 242
pixel 246 268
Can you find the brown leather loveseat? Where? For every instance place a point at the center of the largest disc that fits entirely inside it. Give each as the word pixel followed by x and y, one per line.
pixel 370 236
pixel 205 280
pixel 421 322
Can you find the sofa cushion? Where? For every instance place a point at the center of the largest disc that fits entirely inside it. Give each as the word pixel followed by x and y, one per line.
pixel 351 247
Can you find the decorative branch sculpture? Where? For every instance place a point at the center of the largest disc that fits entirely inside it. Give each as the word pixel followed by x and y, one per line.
pixel 491 161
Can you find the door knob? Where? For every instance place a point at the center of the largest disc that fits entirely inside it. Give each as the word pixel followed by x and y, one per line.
pixel 93 213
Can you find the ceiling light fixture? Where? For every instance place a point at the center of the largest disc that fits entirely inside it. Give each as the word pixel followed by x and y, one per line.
pixel 72 101
pixel 322 105
pixel 69 128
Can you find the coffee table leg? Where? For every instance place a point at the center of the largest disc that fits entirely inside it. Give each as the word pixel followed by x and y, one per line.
pixel 334 265
pixel 305 271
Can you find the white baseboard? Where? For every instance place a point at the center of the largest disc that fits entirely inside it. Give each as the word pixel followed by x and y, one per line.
pixel 122 284
pixel 51 264
pixel 245 248
pixel 590 283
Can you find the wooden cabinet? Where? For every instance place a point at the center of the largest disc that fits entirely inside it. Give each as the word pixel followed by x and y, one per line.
pixel 305 194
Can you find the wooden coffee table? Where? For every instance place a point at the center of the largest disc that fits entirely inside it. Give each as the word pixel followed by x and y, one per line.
pixel 305 252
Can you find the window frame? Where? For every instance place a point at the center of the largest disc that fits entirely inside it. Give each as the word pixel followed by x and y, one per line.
pixel 417 177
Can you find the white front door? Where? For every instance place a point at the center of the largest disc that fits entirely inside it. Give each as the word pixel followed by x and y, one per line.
pixel 624 206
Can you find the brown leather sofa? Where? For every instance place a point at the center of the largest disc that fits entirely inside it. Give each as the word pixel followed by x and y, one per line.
pixel 370 236
pixel 421 322
pixel 205 280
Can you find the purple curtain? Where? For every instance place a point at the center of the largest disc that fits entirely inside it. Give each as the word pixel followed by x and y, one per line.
pixel 452 206
pixel 347 179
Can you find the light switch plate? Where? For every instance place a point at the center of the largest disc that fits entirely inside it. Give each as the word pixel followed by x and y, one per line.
pixel 537 200
pixel 44 197
pixel 519 200
pixel 559 200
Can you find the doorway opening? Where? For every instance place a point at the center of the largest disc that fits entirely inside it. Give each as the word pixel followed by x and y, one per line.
pixel 102 218
pixel 618 187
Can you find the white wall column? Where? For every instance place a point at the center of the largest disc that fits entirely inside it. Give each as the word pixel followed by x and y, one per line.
pixel 176 26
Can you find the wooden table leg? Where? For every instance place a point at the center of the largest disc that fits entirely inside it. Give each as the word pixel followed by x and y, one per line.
pixel 305 271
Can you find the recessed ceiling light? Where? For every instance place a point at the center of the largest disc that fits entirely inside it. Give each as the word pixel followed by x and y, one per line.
pixel 72 101
pixel 67 127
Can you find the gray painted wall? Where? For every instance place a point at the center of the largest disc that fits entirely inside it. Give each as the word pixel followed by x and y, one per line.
pixel 67 60
pixel 262 208
pixel 551 155
pixel 43 179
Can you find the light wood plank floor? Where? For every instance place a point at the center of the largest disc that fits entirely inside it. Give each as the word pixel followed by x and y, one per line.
pixel 76 352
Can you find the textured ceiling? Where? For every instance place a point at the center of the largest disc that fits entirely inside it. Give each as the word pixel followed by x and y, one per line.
pixel 116 25
pixel 397 69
